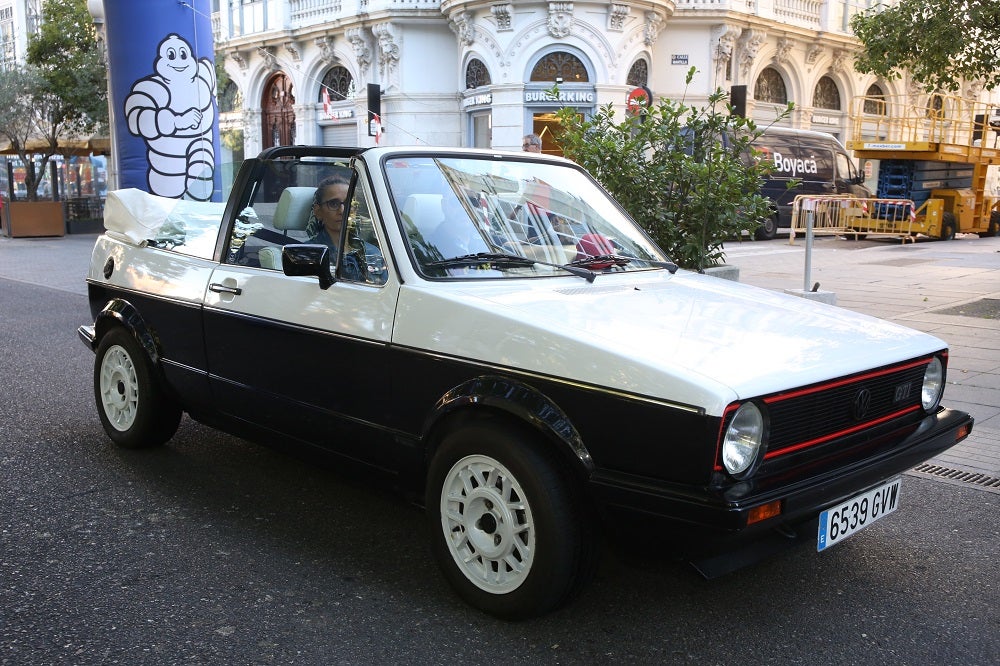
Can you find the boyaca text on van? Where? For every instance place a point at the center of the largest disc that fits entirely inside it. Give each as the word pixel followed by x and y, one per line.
pixel 793 165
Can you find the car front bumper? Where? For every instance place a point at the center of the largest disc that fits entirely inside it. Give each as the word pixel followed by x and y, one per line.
pixel 703 521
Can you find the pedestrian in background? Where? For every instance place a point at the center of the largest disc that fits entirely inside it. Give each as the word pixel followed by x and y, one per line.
pixel 532 143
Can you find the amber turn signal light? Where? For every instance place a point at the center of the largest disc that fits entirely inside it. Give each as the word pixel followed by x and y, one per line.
pixel 763 512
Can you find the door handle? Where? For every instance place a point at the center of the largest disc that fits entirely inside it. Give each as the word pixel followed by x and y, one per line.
pixel 223 289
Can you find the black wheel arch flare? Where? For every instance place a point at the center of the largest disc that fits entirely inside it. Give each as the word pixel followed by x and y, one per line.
pixel 521 402
pixel 119 312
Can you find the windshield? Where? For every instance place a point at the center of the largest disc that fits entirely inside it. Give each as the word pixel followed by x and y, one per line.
pixel 550 214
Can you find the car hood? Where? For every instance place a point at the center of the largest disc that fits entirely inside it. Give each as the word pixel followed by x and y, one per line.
pixel 685 338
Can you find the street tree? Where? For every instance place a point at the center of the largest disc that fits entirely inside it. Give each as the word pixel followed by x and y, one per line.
pixel 941 43
pixel 58 94
pixel 688 175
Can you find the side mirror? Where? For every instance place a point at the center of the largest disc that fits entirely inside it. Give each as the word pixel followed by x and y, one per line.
pixel 308 260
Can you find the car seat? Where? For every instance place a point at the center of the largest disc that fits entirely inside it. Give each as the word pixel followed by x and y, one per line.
pixel 291 214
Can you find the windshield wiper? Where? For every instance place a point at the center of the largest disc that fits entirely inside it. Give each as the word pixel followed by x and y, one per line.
pixel 607 260
pixel 504 260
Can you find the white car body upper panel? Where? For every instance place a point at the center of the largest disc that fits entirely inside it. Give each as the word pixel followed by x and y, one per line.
pixel 687 338
pixel 151 271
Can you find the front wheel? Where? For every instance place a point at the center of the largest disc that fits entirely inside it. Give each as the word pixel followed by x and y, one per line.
pixel 994 227
pixel 132 405
pixel 948 227
pixel 508 527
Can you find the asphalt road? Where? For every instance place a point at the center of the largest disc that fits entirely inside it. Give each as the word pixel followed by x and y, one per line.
pixel 212 550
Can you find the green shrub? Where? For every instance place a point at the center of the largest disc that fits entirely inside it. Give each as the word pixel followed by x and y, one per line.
pixel 687 175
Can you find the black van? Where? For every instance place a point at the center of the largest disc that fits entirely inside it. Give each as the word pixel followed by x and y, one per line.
pixel 817 160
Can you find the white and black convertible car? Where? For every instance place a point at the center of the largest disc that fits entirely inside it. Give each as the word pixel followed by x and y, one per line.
pixel 493 332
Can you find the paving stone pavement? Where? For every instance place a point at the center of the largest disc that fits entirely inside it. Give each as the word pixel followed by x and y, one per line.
pixel 948 289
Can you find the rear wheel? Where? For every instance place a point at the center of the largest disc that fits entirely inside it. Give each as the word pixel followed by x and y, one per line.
pixel 132 405
pixel 768 229
pixel 508 526
pixel 947 227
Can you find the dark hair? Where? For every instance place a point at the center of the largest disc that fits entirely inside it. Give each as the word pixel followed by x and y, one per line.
pixel 335 179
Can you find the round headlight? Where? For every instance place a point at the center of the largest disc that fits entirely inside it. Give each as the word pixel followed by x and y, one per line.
pixel 744 440
pixel 930 392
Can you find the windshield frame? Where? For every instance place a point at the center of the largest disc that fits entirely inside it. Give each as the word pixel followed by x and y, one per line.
pixel 445 178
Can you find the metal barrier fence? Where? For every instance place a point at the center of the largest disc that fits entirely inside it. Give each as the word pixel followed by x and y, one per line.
pixel 844 215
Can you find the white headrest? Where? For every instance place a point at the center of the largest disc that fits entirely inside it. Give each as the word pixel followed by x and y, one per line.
pixel 294 208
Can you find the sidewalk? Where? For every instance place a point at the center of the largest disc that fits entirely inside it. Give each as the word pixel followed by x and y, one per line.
pixel 949 289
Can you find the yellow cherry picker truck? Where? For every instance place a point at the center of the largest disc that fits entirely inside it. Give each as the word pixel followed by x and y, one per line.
pixel 934 155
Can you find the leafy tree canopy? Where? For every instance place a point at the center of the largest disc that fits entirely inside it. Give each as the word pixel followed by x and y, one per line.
pixel 688 175
pixel 939 42
pixel 59 93
pixel 65 52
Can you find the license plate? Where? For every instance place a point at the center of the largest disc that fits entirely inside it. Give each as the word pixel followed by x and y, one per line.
pixel 841 521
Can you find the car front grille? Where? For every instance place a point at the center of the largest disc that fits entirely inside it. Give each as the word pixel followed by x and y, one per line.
pixel 818 414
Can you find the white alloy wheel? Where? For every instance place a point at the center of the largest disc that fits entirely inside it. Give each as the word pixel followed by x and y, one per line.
pixel 486 515
pixel 510 524
pixel 132 404
pixel 119 388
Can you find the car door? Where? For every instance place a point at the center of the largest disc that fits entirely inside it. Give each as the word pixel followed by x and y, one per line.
pixel 285 354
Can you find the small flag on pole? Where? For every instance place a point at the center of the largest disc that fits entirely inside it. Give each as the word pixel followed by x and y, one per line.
pixel 326 103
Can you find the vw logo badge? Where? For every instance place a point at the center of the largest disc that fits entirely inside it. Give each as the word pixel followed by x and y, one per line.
pixel 862 401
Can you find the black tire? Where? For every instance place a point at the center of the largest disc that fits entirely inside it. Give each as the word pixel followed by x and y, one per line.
pixel 134 409
pixel 486 527
pixel 994 227
pixel 768 229
pixel 948 227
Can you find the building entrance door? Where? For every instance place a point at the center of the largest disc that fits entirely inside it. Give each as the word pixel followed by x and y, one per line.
pixel 278 113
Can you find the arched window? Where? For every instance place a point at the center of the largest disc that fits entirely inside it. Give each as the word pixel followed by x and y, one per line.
pixel 935 106
pixel 826 95
pixel 560 65
pixel 770 87
pixel 231 99
pixel 638 74
pixel 339 81
pixel 476 74
pixel 875 101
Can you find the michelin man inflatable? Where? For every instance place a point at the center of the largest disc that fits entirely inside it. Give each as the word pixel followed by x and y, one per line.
pixel 173 111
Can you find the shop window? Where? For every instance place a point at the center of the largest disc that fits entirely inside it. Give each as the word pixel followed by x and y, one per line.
pixel 560 65
pixel 231 98
pixel 476 74
pixel 770 87
pixel 826 95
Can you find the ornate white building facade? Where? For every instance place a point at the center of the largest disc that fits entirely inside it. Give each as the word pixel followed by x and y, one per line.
pixel 476 72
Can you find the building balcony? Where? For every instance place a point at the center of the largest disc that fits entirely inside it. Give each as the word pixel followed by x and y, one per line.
pixel 258 17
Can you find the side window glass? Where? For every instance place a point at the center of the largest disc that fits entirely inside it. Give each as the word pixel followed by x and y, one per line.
pixel 283 208
pixel 363 258
pixel 845 169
